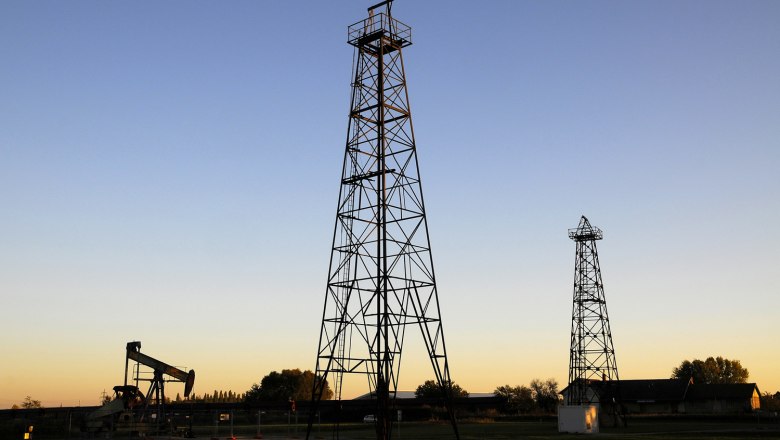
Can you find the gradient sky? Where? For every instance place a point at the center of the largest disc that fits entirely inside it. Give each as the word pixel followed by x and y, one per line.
pixel 169 173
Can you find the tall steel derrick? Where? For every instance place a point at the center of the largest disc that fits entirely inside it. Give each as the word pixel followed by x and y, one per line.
pixel 591 354
pixel 381 276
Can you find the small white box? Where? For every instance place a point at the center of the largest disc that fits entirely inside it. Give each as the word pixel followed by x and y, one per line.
pixel 578 419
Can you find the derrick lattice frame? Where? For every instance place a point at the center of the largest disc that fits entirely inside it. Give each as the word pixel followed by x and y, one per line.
pixel 381 278
pixel 591 354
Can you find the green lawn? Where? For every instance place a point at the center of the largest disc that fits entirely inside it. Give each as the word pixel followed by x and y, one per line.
pixel 638 429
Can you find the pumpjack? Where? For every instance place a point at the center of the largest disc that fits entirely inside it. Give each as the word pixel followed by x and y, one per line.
pixel 131 411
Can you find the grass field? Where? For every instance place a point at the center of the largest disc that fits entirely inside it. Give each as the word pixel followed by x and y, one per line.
pixel 637 429
pixel 528 428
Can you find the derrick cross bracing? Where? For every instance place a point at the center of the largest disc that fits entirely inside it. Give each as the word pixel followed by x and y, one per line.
pixel 381 276
pixel 593 372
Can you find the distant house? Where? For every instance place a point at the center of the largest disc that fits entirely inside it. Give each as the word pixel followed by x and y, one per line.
pixel 722 398
pixel 662 396
pixel 645 396
pixel 674 396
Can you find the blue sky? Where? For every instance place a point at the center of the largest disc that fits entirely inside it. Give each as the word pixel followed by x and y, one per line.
pixel 169 173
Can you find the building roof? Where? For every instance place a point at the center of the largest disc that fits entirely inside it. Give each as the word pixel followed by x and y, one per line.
pixel 653 390
pixel 398 395
pixel 481 395
pixel 410 395
pixel 640 390
pixel 722 391
pixel 669 390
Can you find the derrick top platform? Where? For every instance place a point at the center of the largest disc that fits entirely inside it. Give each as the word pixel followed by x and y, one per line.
pixel 379 25
pixel 584 231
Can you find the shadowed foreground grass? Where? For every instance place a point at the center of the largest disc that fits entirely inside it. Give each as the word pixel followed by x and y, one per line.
pixel 638 429
pixel 546 427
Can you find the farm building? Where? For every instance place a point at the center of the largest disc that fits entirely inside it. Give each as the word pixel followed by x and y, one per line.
pixel 673 396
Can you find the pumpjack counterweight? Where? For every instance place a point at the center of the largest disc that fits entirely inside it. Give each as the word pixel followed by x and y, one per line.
pixel 381 278
pixel 593 372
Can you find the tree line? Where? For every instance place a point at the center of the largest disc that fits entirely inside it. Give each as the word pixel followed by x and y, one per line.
pixel 296 385
pixel 711 370
pixel 289 385
pixel 28 403
pixel 538 396
pixel 218 396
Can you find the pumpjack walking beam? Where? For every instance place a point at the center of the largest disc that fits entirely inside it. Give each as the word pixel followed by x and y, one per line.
pixel 160 370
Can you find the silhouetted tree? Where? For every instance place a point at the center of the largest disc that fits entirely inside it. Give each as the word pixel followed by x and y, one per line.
pixel 431 389
pixel 711 370
pixel 545 394
pixel 517 399
pixel 29 403
pixel 289 384
pixel 305 386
